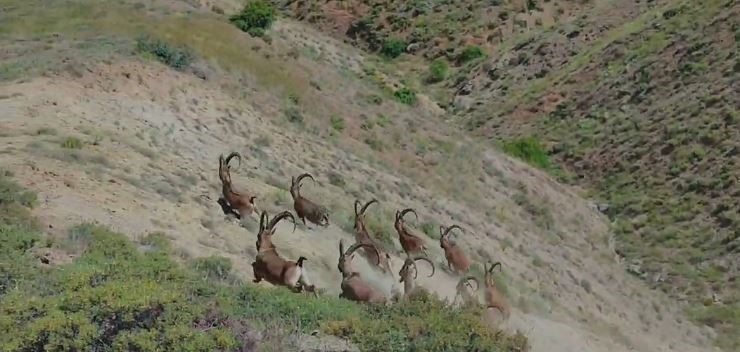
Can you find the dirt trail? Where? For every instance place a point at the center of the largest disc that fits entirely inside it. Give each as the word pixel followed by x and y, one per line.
pixel 151 138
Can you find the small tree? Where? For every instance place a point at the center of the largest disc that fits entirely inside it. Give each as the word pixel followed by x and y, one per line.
pixel 255 18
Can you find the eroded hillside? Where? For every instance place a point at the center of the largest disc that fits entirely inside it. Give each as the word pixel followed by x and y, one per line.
pixel 635 101
pixel 105 133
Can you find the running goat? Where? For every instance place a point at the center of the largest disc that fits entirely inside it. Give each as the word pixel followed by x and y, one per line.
pixel 240 204
pixel 456 259
pixel 362 235
pixel 304 207
pixel 270 266
pixel 354 287
pixel 411 243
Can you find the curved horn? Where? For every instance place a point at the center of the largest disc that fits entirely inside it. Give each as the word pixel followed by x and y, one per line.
pixel 452 228
pixel 232 155
pixel 357 210
pixel 301 177
pixel 406 211
pixel 341 248
pixel 364 207
pixel 277 218
pixel 263 219
pixel 467 280
pixel 426 260
pixel 490 270
pixel 356 246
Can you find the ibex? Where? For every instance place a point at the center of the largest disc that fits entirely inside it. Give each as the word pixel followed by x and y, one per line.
pixel 466 291
pixel 305 208
pixel 411 243
pixel 493 297
pixel 238 203
pixel 456 259
pixel 406 271
pixel 270 266
pixel 362 236
pixel 353 286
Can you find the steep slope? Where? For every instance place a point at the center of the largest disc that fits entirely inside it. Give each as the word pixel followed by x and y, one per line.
pixel 122 140
pixel 636 101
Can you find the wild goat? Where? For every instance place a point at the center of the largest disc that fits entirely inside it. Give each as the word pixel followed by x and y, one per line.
pixel 238 203
pixel 456 259
pixel 493 297
pixel 305 208
pixel 411 243
pixel 353 286
pixel 466 291
pixel 362 236
pixel 270 266
pixel 405 274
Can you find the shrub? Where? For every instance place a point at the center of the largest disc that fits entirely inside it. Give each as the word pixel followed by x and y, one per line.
pixel 255 18
pixel 337 123
pixel 176 57
pixel 393 48
pixel 72 143
pixel 470 53
pixel 528 149
pixel 437 71
pixel 405 96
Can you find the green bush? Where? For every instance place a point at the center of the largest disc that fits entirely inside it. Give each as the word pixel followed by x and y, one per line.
pixel 405 96
pixel 393 48
pixel 437 71
pixel 470 53
pixel 530 150
pixel 177 57
pixel 255 18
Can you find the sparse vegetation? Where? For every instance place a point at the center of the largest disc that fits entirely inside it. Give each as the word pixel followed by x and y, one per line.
pixel 177 57
pixel 72 143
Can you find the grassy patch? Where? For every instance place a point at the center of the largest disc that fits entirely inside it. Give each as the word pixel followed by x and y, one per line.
pixel 177 57
pixel 528 149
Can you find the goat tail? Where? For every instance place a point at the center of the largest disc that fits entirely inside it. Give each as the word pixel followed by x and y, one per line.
pixel 300 261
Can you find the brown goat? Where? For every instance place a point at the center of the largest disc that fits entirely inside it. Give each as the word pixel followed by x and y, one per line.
pixel 464 290
pixel 270 266
pixel 305 208
pixel 353 286
pixel 456 259
pixel 405 275
pixel 493 297
pixel 363 236
pixel 238 203
pixel 411 243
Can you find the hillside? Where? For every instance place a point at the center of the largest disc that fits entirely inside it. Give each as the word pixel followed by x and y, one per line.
pixel 104 132
pixel 635 101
